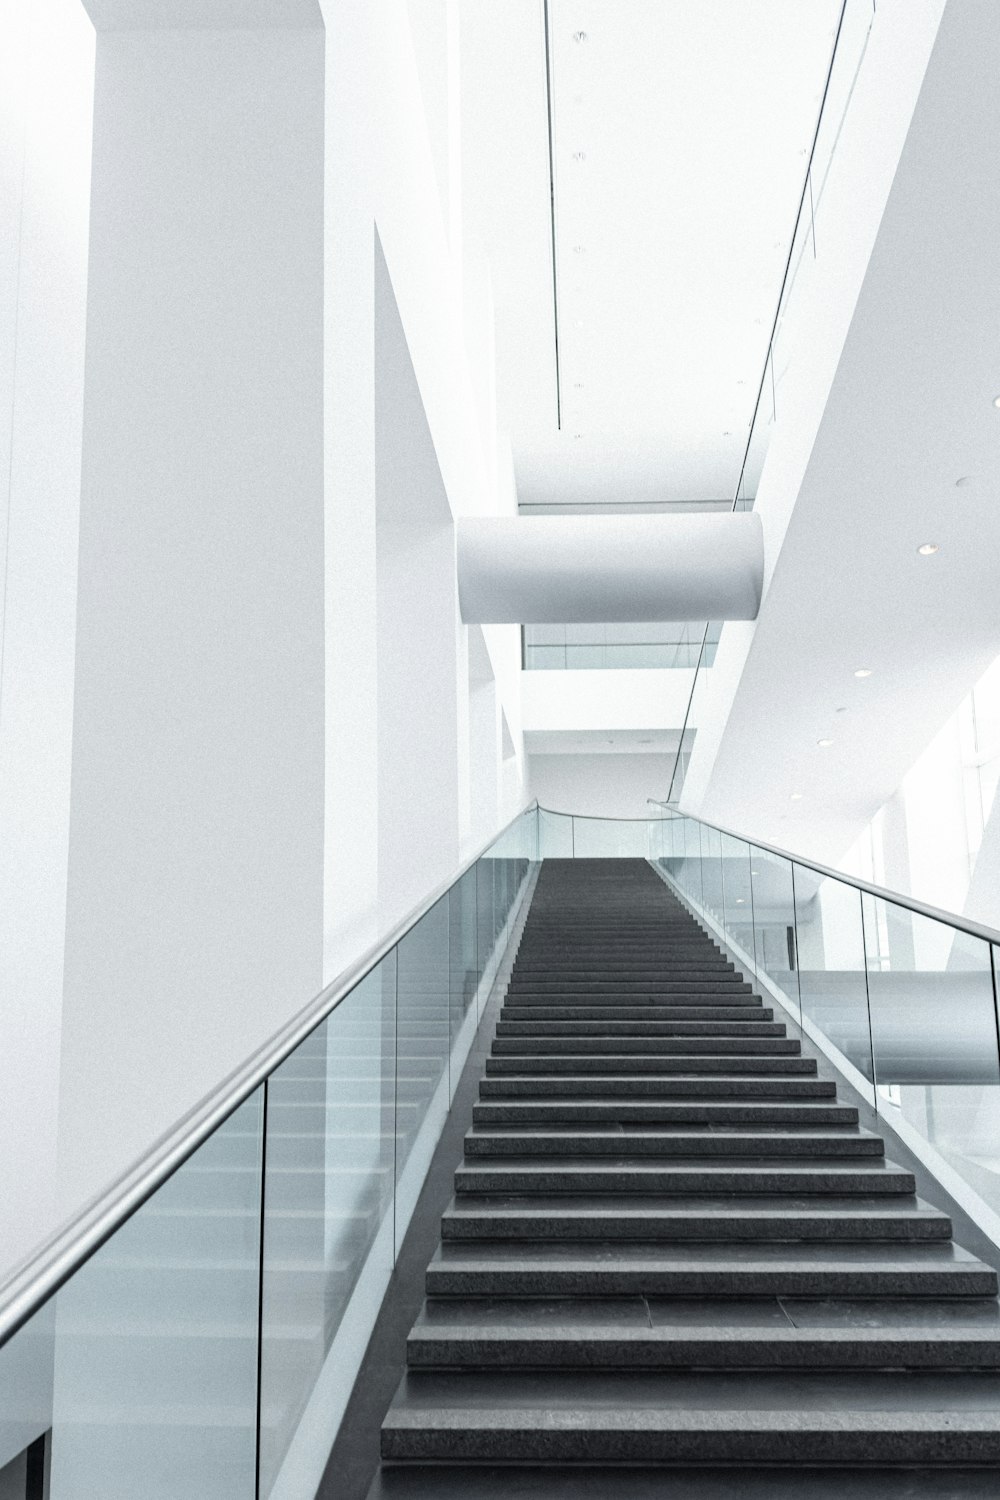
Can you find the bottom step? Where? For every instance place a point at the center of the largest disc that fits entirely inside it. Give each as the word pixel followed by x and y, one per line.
pixel 823 1419
pixel 549 1482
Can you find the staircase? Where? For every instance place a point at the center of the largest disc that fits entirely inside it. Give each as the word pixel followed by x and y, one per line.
pixel 670 1244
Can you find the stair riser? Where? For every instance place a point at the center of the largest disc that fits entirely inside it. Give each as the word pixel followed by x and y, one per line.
pixel 648 1352
pixel 630 1065
pixel 664 1114
pixel 863 1445
pixel 662 1088
pixel 733 1030
pixel 631 1146
pixel 617 1015
pixel 748 1179
pixel 556 1046
pixel 666 1229
pixel 536 1281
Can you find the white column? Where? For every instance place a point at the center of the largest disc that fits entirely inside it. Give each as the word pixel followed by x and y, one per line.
pixel 46 103
pixel 194 922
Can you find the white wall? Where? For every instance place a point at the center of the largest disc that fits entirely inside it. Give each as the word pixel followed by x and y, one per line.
pixel 194 917
pixel 605 786
pixel 384 168
pixel 418 742
pixel 46 102
pixel 606 699
pixel 239 793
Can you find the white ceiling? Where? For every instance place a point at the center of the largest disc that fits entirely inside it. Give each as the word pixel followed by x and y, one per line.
pixel 695 120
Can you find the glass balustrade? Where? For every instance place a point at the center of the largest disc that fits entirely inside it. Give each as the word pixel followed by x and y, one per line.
pixel 183 1358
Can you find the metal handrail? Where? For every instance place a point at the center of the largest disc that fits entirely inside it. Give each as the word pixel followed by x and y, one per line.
pixel 910 903
pixel 50 1265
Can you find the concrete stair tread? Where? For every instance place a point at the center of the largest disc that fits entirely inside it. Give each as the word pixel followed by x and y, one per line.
pixel 622 1206
pixel 458 1481
pixel 673 1086
pixel 709 1113
pixel 936 1256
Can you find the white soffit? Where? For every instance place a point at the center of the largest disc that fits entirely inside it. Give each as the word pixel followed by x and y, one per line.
pixel 908 453
pixel 695 122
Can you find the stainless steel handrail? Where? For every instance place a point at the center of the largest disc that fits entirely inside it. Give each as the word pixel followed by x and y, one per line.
pixel 921 908
pixel 48 1267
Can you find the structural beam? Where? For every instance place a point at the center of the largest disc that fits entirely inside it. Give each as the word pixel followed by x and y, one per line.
pixel 568 569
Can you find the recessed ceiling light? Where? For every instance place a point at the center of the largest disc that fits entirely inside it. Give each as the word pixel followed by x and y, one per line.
pixel 741 901
pixel 862 671
pixel 996 402
pixel 579 36
pixel 928 549
pixel 824 744
pixel 795 797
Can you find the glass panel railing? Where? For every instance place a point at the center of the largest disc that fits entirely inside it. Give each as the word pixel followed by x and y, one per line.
pixel 335 1110
pixel 155 1351
pixel 833 986
pixel 934 1037
pixel 204 1346
pixel 901 1000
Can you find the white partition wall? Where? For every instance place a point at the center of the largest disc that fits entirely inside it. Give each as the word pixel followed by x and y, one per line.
pixel 194 920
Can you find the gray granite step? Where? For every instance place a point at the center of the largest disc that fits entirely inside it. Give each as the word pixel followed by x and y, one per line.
pixel 750 1220
pixel 618 1014
pixel 594 1111
pixel 627 1046
pixel 658 1003
pixel 458 1481
pixel 684 1175
pixel 669 1140
pixel 536 1344
pixel 630 1028
pixel 660 1085
pixel 632 1064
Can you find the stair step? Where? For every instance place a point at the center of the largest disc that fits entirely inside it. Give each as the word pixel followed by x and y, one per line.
pixel 660 1086
pixel 596 1269
pixel 650 1004
pixel 684 1175
pixel 645 1013
pixel 596 1111
pixel 566 1141
pixel 740 1028
pixel 622 985
pixel 869 1418
pixel 628 1046
pixel 633 1063
pixel 750 1220
pixel 540 1343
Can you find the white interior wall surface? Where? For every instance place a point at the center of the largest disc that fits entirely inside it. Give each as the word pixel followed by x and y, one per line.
pixel 194 920
pixel 384 168
pixel 599 785
pixel 46 105
pixel 211 699
pixel 417 603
